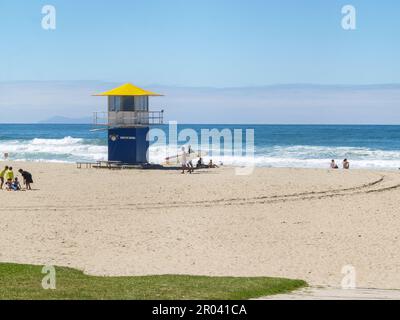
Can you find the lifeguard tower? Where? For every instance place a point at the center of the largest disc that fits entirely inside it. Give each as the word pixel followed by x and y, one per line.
pixel 128 121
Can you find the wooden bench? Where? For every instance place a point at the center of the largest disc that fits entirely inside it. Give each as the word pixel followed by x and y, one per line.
pixel 86 164
pixel 104 164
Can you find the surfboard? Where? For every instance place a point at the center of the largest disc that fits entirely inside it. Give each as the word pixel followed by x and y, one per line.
pixel 189 156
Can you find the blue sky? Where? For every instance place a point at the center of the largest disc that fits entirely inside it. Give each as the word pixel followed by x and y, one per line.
pixel 191 50
pixel 223 43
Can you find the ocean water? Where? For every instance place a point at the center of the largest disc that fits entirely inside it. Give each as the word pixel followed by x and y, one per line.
pixel 305 146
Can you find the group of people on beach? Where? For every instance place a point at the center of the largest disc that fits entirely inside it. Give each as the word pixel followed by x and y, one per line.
pixel 345 164
pixel 11 182
pixel 187 163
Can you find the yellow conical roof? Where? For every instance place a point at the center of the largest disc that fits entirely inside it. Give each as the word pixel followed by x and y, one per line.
pixel 128 89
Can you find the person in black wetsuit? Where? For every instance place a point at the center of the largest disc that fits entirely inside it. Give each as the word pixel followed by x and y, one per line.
pixel 27 178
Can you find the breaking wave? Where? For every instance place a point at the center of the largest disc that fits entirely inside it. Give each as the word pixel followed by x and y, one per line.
pixel 69 149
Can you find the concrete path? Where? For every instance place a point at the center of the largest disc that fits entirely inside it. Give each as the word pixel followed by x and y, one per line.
pixel 329 293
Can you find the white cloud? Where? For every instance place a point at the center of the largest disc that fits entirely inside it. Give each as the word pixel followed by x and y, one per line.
pixel 380 104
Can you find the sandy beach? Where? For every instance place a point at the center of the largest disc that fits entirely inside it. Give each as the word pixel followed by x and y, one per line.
pixel 294 223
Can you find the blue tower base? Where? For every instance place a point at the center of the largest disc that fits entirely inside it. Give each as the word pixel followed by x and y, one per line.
pixel 128 145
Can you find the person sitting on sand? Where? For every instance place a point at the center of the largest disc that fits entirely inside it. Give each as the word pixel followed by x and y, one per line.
pixel 7 185
pixel 200 163
pixel 2 174
pixel 346 164
pixel 334 165
pixel 27 176
pixel 211 165
pixel 15 185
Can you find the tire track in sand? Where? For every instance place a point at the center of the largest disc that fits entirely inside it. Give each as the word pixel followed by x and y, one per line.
pixel 383 184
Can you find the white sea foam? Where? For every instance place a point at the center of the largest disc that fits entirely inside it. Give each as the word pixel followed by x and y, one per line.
pixel 69 149
pixel 300 157
pixel 62 142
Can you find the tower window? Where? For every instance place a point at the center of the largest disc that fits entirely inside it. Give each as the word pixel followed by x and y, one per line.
pixel 114 104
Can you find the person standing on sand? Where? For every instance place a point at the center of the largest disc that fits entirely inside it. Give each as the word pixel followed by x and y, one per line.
pixel 184 160
pixel 186 164
pixel 2 174
pixel 9 175
pixel 27 178
pixel 190 162
pixel 346 164
pixel 190 166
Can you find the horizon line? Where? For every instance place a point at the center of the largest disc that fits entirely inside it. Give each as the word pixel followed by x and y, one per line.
pixel 218 124
pixel 310 84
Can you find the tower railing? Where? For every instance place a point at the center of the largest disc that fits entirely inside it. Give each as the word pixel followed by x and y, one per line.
pixel 128 118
